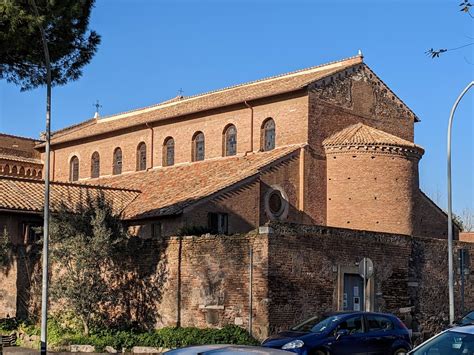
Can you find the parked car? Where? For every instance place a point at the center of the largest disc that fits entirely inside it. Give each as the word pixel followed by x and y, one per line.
pixel 452 341
pixel 344 333
pixel 467 319
pixel 225 349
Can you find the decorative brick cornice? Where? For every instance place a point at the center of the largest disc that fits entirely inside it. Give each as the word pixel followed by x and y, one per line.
pixel 407 152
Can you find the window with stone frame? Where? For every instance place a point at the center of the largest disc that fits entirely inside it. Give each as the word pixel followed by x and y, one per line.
pixel 268 135
pixel 230 140
pixel 117 165
pixel 141 156
pixel 95 165
pixel 74 169
pixel 198 147
pixel 168 152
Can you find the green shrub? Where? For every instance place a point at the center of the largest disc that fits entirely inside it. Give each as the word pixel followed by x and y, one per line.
pixel 7 325
pixel 63 333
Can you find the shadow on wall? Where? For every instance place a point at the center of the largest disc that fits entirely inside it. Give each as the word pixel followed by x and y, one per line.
pixel 138 284
pixel 28 282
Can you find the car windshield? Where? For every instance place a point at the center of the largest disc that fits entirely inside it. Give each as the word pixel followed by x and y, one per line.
pixel 450 342
pixel 468 319
pixel 317 324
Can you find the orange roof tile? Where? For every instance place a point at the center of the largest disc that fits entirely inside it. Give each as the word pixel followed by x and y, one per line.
pixel 167 190
pixel 28 195
pixel 228 96
pixel 362 135
pixel 16 158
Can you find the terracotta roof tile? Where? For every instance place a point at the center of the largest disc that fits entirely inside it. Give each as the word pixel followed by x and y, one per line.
pixel 20 159
pixel 360 134
pixel 214 99
pixel 167 190
pixel 28 195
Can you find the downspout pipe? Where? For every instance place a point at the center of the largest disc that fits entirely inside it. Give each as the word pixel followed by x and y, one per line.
pixel 251 128
pixel 151 145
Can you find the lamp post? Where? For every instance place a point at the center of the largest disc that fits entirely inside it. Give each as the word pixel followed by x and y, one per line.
pixel 450 213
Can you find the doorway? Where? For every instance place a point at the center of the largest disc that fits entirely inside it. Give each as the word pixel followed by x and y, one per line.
pixel 353 296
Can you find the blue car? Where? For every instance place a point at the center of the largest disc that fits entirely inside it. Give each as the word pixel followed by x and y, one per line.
pixel 355 333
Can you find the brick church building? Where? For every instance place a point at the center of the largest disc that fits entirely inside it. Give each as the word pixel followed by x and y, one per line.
pixel 329 148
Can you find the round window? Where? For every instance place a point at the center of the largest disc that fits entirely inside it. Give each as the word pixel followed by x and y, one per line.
pixel 275 203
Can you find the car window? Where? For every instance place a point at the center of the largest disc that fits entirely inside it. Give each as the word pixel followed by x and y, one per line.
pixel 317 324
pixel 468 318
pixel 352 324
pixel 378 323
pixel 450 342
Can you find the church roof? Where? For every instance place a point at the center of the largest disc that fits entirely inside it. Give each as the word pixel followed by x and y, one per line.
pixel 363 135
pixel 180 106
pixel 169 190
pixel 158 192
pixel 19 194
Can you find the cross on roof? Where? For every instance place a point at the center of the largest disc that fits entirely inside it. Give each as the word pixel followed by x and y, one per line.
pixel 97 106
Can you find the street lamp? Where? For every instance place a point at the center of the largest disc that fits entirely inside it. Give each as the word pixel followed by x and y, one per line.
pixel 450 213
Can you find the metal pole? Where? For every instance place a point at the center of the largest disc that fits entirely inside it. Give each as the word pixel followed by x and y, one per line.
pixel 450 213
pixel 44 287
pixel 250 289
pixel 462 280
pixel 365 283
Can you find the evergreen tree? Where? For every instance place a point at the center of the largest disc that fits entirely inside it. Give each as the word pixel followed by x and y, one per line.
pixel 25 27
pixel 45 42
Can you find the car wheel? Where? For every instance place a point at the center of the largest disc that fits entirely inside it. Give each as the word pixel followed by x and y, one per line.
pixel 319 352
pixel 400 351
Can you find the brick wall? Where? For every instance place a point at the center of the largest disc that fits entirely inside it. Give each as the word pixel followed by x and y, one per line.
pixel 409 272
pixel 295 275
pixel 356 98
pixel 371 191
pixel 429 219
pixel 303 270
pixel 288 111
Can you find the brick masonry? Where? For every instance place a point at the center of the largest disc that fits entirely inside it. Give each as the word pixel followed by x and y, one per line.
pixel 203 281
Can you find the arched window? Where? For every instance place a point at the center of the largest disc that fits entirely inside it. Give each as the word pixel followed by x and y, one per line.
pixel 198 146
pixel 74 169
pixel 230 140
pixel 20 172
pixel 268 135
pixel 117 167
pixel 6 169
pixel 141 156
pixel 168 152
pixel 95 165
pixel 14 170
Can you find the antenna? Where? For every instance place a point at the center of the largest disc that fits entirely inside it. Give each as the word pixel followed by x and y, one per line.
pixel 97 106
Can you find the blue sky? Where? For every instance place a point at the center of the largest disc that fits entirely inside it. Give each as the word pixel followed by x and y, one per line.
pixel 151 49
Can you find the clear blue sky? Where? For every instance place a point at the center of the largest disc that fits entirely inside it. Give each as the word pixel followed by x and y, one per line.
pixel 151 49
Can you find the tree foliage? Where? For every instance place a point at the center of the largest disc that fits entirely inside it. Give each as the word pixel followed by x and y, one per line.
pixel 71 44
pixel 83 247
